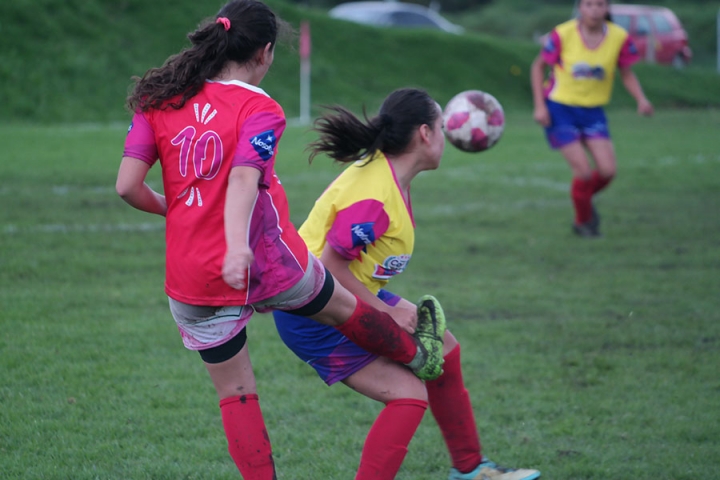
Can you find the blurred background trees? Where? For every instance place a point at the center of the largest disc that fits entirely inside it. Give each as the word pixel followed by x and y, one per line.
pixel 463 5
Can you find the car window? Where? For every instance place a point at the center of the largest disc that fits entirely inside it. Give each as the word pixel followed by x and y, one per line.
pixel 662 24
pixel 412 19
pixel 642 25
pixel 622 20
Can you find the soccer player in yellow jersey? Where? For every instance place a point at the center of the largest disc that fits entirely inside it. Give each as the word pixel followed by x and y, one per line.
pixel 362 227
pixel 583 55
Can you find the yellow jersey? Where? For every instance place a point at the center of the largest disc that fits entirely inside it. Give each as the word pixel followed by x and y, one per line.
pixel 583 76
pixel 364 217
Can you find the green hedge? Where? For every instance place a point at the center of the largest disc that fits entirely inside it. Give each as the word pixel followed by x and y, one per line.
pixel 525 19
pixel 71 61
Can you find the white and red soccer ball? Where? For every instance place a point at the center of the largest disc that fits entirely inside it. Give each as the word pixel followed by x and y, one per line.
pixel 473 121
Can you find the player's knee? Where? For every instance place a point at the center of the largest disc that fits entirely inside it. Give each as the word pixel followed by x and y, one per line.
pixel 338 309
pixel 417 393
pixel 607 172
pixel 582 173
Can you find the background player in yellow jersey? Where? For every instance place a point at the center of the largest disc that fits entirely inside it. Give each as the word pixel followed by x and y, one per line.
pixel 362 228
pixel 584 55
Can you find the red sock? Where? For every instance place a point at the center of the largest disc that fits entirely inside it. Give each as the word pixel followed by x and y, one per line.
pixel 582 192
pixel 377 332
pixel 600 182
pixel 248 440
pixel 451 407
pixel 386 444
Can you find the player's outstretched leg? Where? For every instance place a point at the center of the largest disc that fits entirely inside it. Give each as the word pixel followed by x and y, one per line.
pixel 488 470
pixel 378 333
pixel 429 333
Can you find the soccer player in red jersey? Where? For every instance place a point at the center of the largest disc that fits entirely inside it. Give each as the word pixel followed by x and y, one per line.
pixel 362 228
pixel 230 247
pixel 584 55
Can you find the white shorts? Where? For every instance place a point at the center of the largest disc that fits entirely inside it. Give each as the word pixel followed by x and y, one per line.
pixel 203 327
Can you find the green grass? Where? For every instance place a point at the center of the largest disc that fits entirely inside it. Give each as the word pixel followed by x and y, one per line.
pixel 586 359
pixel 72 60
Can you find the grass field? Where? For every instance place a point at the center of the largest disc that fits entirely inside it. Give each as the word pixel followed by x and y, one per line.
pixel 586 359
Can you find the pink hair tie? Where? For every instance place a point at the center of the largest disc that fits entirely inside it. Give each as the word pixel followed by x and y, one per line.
pixel 225 22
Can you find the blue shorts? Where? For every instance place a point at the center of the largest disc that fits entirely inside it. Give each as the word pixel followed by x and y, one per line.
pixel 328 351
pixel 571 124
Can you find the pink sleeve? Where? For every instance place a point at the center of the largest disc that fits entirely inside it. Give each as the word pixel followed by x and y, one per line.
pixel 140 140
pixel 356 227
pixel 629 54
pixel 551 50
pixel 259 136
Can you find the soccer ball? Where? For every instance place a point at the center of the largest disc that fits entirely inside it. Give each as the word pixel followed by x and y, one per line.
pixel 473 121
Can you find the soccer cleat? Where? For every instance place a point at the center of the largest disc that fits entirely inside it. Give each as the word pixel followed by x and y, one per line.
pixel 427 364
pixel 488 470
pixel 595 219
pixel 585 230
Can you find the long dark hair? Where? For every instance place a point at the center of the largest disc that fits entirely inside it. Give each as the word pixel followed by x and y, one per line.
pixel 252 25
pixel 346 138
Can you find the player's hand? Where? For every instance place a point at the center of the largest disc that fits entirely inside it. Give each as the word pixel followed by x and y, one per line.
pixel 542 116
pixel 236 266
pixel 405 315
pixel 645 108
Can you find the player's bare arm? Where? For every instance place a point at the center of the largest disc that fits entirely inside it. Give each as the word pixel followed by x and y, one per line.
pixel 131 186
pixel 537 75
pixel 632 85
pixel 241 194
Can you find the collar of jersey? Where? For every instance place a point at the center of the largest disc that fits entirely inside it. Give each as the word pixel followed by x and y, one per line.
pixel 582 37
pixel 240 84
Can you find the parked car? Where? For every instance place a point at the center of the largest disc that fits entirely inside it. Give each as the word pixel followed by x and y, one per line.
pixel 658 25
pixel 393 14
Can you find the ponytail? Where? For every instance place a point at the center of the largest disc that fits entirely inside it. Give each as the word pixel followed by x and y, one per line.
pixel 345 138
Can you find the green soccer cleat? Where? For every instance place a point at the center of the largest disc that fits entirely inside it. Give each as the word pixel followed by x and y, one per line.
pixel 427 364
pixel 488 470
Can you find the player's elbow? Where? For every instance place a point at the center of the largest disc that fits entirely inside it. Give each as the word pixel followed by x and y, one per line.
pixel 122 189
pixel 537 69
pixel 126 190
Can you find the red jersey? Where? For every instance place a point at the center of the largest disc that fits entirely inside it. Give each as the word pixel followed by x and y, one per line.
pixel 227 124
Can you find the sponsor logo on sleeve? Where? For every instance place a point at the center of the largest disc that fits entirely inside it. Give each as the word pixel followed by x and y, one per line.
pixel 264 144
pixel 130 127
pixel 362 235
pixel 391 266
